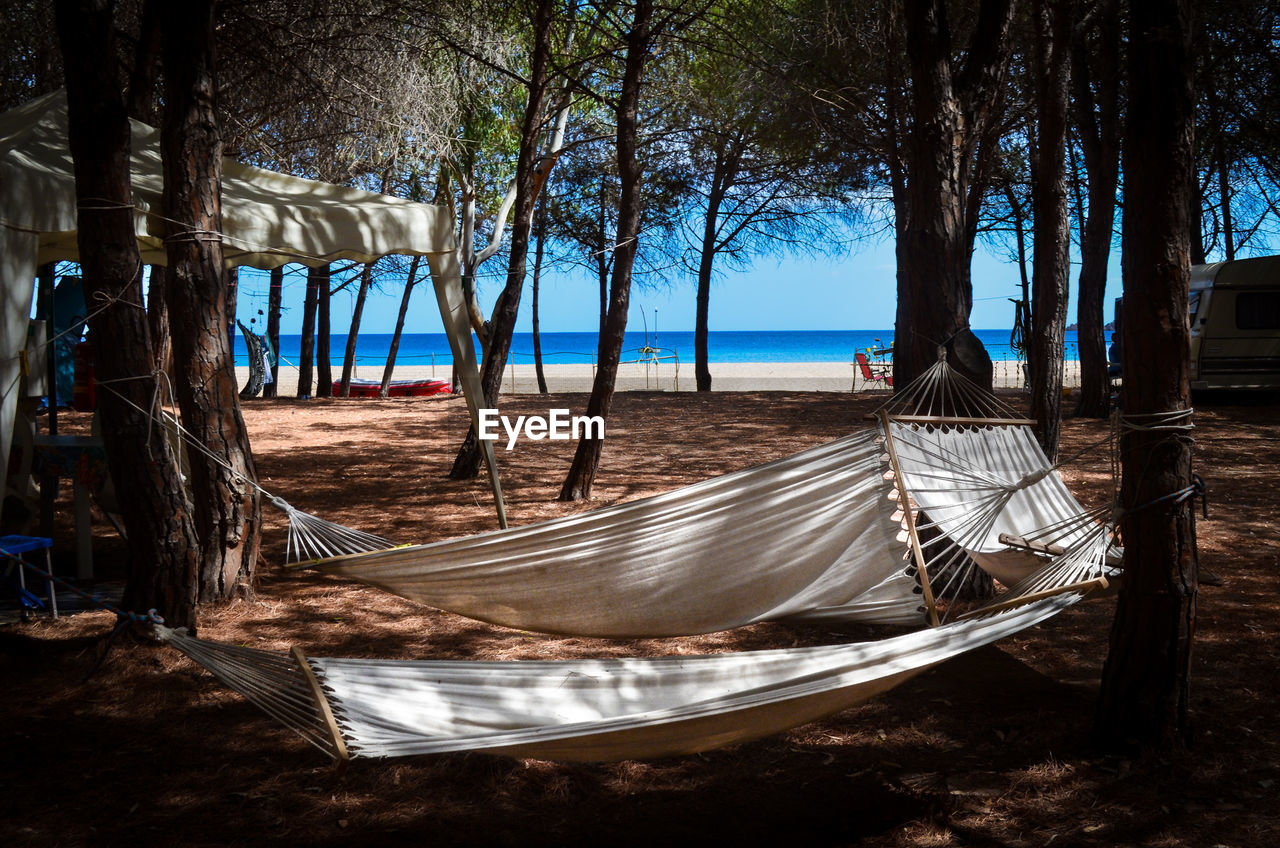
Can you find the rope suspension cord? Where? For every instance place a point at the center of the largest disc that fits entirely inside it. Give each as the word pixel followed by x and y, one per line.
pixel 310 537
pixel 1178 425
pixel 279 685
pixel 941 390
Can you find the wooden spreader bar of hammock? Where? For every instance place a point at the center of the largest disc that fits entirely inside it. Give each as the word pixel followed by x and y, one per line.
pixel 951 419
pixel 908 515
pixel 340 753
pixel 1050 550
pixel 1083 587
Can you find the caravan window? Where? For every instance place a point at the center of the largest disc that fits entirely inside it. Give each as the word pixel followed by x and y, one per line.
pixel 1258 310
pixel 1193 302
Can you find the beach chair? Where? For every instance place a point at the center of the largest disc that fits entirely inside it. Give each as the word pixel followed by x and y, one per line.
pixel 879 374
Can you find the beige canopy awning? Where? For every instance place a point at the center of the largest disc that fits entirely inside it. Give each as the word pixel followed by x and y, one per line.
pixel 268 219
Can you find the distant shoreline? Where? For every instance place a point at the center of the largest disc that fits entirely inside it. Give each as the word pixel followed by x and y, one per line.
pixel 791 347
pixel 521 378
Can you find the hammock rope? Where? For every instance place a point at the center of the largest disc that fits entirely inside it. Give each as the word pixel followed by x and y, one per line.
pixel 310 537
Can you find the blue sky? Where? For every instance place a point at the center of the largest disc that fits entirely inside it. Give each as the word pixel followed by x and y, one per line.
pixel 854 292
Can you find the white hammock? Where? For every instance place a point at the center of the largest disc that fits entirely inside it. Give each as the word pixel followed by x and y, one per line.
pixel 585 710
pixel 809 536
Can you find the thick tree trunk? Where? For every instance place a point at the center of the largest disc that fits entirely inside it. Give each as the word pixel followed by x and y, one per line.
pixel 275 296
pixel 1145 686
pixel 227 505
pixel 502 321
pixel 1097 118
pixel 951 114
pixel 1051 227
pixel 158 318
pixel 586 458
pixel 307 344
pixel 163 547
pixel 324 368
pixel 390 365
pixel 349 356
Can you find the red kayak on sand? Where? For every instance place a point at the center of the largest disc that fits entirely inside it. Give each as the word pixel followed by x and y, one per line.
pixel 398 388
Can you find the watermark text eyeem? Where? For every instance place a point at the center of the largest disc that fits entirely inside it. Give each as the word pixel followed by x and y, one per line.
pixel 558 425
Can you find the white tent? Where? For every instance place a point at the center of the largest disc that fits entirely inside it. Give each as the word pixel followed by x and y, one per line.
pixel 268 220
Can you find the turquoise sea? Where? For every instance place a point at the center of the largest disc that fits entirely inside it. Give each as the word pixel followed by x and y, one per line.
pixel 723 346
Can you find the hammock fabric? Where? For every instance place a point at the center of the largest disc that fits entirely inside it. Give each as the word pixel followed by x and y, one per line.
pixel 976 482
pixel 811 536
pixel 587 710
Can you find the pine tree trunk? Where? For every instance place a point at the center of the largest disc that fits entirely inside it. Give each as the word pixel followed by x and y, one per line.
pixel 324 368
pixel 349 356
pixel 158 318
pixel 163 547
pixel 1097 120
pixel 502 321
pixel 950 118
pixel 275 295
pixel 707 254
pixel 586 459
pixel 307 344
pixel 1145 686
pixel 1051 263
pixel 537 277
pixel 227 505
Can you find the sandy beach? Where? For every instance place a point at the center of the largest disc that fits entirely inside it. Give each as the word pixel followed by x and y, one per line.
pixel 667 377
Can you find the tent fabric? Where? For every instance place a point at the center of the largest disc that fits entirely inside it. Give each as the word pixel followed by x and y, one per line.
pixel 977 482
pixel 268 220
pixel 809 536
pixel 616 709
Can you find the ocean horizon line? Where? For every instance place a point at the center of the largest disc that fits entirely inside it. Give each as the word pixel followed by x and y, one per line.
pixel 766 346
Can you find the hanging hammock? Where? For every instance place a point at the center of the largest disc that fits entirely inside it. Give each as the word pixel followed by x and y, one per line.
pixel 584 710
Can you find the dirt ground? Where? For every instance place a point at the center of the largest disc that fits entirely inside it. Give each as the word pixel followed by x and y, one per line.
pixel 989 749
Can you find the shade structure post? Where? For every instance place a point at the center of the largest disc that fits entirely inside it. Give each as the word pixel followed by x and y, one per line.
pixel 446 277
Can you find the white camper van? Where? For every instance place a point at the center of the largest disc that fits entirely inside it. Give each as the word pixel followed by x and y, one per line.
pixel 1235 325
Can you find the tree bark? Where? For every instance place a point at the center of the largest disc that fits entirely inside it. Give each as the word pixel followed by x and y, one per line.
pixel 307 344
pixel 541 224
pixel 158 318
pixel 1097 120
pixel 1145 681
pixel 162 540
pixel 951 111
pixel 275 295
pixel 390 365
pixel 1051 228
pixel 502 321
pixel 228 508
pixel 586 458
pixel 722 174
pixel 324 368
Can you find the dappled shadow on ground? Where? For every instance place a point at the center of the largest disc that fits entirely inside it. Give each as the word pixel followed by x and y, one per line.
pixel 988 749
